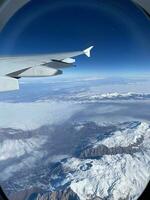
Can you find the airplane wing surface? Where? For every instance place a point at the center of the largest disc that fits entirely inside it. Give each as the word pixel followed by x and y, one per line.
pixel 13 68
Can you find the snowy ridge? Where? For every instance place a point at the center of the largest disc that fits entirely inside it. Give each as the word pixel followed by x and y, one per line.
pixel 128 137
pixel 17 148
pixel 113 176
pixel 88 96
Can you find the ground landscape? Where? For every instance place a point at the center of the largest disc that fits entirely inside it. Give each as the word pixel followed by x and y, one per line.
pixel 80 138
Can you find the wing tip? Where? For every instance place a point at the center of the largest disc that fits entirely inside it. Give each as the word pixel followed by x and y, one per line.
pixel 87 51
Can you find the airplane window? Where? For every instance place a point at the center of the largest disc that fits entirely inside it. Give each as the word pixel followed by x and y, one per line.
pixel 74 99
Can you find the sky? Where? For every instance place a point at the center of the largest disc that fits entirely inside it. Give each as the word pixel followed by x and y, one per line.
pixel 118 30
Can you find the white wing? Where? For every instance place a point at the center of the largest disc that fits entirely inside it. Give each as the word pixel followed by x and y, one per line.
pixel 35 66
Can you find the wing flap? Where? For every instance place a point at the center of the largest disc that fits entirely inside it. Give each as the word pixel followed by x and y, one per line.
pixel 39 71
pixel 60 63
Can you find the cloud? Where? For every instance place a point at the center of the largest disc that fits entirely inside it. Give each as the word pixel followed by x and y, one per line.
pixel 27 116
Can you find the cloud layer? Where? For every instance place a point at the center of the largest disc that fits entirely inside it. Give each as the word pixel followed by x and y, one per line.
pixel 28 116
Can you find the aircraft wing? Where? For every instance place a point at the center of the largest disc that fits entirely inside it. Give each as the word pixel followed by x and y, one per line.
pixel 13 68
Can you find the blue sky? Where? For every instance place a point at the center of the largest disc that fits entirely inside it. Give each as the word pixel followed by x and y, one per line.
pixel 118 30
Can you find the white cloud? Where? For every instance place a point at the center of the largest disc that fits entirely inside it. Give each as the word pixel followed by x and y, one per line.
pixel 27 163
pixel 28 116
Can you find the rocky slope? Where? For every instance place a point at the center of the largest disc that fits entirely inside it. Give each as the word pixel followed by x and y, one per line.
pixel 66 194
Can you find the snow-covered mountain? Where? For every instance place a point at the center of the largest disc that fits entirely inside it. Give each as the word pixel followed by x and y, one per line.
pixel 96 96
pixel 121 170
pixel 86 140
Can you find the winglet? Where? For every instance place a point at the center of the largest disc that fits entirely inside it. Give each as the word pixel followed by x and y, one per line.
pixel 87 51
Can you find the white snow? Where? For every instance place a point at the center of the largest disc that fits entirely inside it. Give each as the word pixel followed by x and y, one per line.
pixel 127 137
pixel 94 96
pixel 16 148
pixel 114 177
